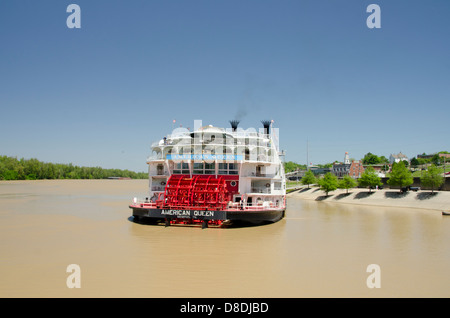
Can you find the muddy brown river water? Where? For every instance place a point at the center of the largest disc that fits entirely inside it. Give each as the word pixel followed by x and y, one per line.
pixel 319 250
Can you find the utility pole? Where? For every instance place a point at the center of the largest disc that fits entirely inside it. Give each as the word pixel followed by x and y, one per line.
pixel 444 164
pixel 307 154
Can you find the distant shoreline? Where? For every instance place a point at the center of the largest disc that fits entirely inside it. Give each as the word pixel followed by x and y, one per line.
pixel 54 180
pixel 422 199
pixel 12 168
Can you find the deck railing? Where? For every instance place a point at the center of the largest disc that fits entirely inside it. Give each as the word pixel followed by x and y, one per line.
pixel 257 207
pixel 261 190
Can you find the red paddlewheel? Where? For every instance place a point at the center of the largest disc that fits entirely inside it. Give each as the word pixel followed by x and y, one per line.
pixel 197 192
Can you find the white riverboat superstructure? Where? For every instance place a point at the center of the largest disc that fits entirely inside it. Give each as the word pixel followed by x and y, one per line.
pixel 215 176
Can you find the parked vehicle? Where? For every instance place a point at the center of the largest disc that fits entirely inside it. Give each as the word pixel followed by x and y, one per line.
pixel 408 188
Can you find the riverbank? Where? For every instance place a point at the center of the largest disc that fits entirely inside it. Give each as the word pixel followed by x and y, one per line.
pixel 440 200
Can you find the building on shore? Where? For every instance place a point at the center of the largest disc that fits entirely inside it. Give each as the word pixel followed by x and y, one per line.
pixel 354 168
pixel 430 156
pixel 425 156
pixel 381 169
pixel 318 171
pixel 397 158
pixel 340 169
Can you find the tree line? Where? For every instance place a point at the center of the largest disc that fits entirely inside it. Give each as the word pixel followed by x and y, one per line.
pixel 290 166
pixel 12 168
pixel 400 176
pixel 373 159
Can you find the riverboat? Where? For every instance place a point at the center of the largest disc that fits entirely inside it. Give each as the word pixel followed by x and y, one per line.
pixel 215 177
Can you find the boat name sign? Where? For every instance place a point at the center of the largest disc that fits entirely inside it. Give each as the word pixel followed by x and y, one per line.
pixel 187 213
pixel 203 157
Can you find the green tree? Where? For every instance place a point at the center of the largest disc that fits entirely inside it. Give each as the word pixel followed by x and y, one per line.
pixel 328 183
pixel 2 168
pixel 309 178
pixel 371 159
pixel 32 168
pixel 10 175
pixel 400 176
pixel 423 161
pixel 326 165
pixel 370 179
pixel 347 182
pixel 383 159
pixel 290 166
pixel 436 160
pixel 432 178
pixel 414 162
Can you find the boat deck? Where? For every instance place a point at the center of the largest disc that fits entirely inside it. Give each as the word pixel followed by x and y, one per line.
pixel 152 205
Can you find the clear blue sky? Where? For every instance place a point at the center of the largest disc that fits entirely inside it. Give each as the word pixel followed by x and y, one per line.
pixel 100 95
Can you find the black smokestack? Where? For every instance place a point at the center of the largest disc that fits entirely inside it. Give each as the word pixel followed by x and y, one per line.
pixel 266 124
pixel 234 124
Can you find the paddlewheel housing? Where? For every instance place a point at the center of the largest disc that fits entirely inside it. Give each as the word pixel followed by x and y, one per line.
pixel 196 192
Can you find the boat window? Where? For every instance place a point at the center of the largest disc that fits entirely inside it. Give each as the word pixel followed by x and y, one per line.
pixel 181 168
pixel 198 168
pixel 232 168
pixel 210 168
pixel 223 168
pixel 204 168
pixel 228 168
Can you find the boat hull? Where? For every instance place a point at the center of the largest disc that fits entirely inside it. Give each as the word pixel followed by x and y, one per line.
pixel 252 216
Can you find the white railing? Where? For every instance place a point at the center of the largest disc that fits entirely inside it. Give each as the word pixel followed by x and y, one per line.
pixel 263 175
pixel 147 203
pixel 155 157
pixel 143 202
pixel 261 190
pixel 241 141
pixel 161 173
pixel 247 158
pixel 269 205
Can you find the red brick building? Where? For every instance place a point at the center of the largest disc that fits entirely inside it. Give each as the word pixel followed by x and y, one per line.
pixel 356 169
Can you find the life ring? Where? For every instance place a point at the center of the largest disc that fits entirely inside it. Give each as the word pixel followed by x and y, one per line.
pixel 267 185
pixel 233 183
